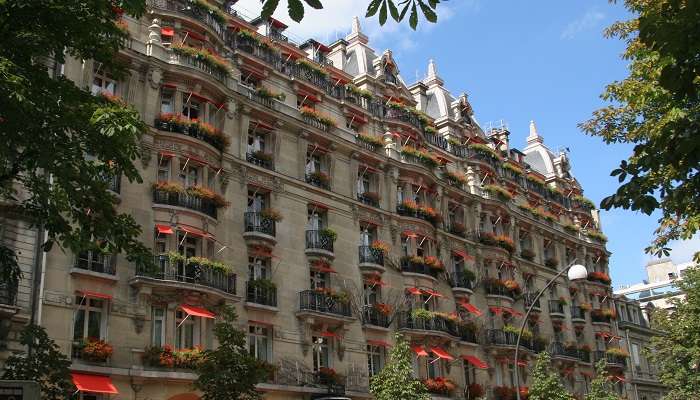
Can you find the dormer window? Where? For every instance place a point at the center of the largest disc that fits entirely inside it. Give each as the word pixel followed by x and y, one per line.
pixel 390 75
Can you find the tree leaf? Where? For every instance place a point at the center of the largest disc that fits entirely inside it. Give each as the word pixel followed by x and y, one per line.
pixel 393 10
pixel 373 7
pixel 382 13
pixel 427 12
pixel 403 12
pixel 269 8
pixel 314 4
pixel 296 10
pixel 413 19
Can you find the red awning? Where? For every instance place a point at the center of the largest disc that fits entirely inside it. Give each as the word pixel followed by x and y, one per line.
pixel 431 292
pixel 303 94
pixel 463 254
pixel 420 351
pixel 95 295
pixel 329 334
pixel 512 312
pixel 164 229
pixel 167 154
pixel 414 291
pixel 196 36
pixel 475 361
pixel 375 281
pixel 193 231
pixel 470 307
pixel 409 234
pixel 379 343
pixel 440 353
pixel 522 363
pixel 586 374
pixel 197 311
pixel 496 310
pixel 167 31
pixel 93 383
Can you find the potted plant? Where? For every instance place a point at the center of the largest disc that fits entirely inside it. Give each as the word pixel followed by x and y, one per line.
pixel 551 262
pixel 571 228
pixel 96 350
pixel 617 352
pixel 501 193
pixel 434 263
pixel 512 285
pixel 380 246
pixel 262 284
pixel 429 214
pixel 484 150
pixel 474 391
pixel 382 308
pixel 370 139
pixel 487 238
pixel 537 181
pixel 328 375
pixel 421 314
pixel 455 178
pixel 457 228
pixel 517 171
pixel 597 235
pixel 328 234
pixel 271 214
pixel 586 306
pixel 321 177
pixel 409 205
pixel 468 275
pixel 505 243
pixel 440 385
pixel 504 393
pixel 527 254
pixel 372 196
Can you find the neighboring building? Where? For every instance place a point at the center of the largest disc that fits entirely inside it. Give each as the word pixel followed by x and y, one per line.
pixel 333 140
pixel 659 287
pixel 635 333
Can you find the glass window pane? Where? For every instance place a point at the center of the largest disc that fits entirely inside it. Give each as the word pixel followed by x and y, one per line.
pixel 79 324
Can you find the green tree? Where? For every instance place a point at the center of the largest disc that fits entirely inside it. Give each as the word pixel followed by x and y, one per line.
pixel 397 9
pixel 395 381
pixel 657 108
pixel 44 363
pixel 545 382
pixel 59 144
pixel 601 389
pixel 676 353
pixel 230 372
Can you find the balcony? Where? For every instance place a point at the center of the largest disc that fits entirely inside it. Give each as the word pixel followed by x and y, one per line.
pixel 114 183
pixel 611 359
pixel 494 287
pixel 372 316
pixel 435 140
pixel 403 116
pixel 529 299
pixel 584 356
pixel 407 265
pixel 599 316
pixel 255 95
pixel 416 213
pixel 309 75
pixel 319 302
pixel 368 200
pixel 186 8
pixel 184 275
pixel 185 200
pixel 180 124
pixel 556 309
pixel 557 349
pixel 95 261
pixel 200 65
pixel 261 160
pixel 371 257
pixel 258 226
pixel 462 281
pixel 467 334
pixel 318 179
pixel 310 120
pixel 435 324
pixel 577 314
pixel 8 296
pixel 498 337
pixel 261 294
pixel 319 242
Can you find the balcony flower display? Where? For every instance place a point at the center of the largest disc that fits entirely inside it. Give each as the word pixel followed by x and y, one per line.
pixel 262 155
pixel 380 246
pixel 513 169
pixel 370 139
pixel 429 214
pixel 586 306
pixel 457 228
pixel 617 352
pixel 512 285
pixel 382 308
pixel 601 277
pixel 311 113
pixel 205 193
pixel 309 66
pixel 487 238
pixel 181 124
pixel 504 393
pixel 409 205
pixel 205 7
pixel 527 254
pixel 328 233
pixel 551 262
pixel 271 214
pixel 167 357
pixel 500 192
pixel 535 180
pixel 573 290
pixel 266 93
pixel 321 177
pixel 262 284
pixel 475 391
pixel 455 178
pixel 174 257
pixel 597 235
pixel 484 150
pixel 527 334
pixel 563 301
pixel 468 275
pixel 453 316
pixel 440 385
pixel 96 350
pixel 208 58
pixel 571 228
pixel 354 90
pixel 548 216
pixel 586 203
pixel 421 314
pixel 553 190
pixel 505 242
pixel 434 263
pixel 585 348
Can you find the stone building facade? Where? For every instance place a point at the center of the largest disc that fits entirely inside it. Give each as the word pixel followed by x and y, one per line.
pixel 399 212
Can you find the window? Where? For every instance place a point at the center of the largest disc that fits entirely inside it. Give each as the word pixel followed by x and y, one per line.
pixel 256 142
pixel 635 356
pixel 186 330
pixel 191 109
pixel 318 280
pixel 457 264
pixel 321 352
pixel 313 162
pixel 164 170
pixel 259 342
pixel 90 396
pixel 95 261
pixel 364 182
pixel 399 194
pixel 158 326
pixel 167 101
pixel 189 176
pixel 372 294
pixel 315 219
pixel 257 268
pixel 90 318
pixel 433 368
pixel 375 359
pixel 257 201
pixel 367 235
pixel 103 82
pixel 405 246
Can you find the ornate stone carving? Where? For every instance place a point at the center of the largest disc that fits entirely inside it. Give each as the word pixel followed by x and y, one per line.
pixel 155 77
pixel 139 321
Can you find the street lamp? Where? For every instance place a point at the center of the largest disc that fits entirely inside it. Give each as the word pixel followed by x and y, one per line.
pixel 576 273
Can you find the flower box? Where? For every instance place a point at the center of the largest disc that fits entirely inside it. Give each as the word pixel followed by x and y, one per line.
pixel 167 357
pixel 440 385
pixel 500 192
pixel 95 350
pixel 527 254
pixel 551 262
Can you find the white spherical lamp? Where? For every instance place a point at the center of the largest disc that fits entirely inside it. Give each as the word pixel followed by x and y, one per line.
pixel 577 272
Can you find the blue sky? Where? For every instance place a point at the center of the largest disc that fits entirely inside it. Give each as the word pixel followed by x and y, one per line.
pixel 519 61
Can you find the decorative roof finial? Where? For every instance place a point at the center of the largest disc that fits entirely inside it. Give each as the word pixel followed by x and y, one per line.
pixel 356 34
pixel 432 77
pixel 356 25
pixel 432 69
pixel 534 136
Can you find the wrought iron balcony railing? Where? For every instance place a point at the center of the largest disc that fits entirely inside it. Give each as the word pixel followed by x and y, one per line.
pixel 407 321
pixel 311 300
pixel 317 240
pixel 179 271
pixel 372 316
pixel 261 295
pixel 205 206
pixel 257 222
pixel 370 255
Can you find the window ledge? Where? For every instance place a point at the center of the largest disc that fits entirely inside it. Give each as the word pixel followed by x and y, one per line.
pixel 93 274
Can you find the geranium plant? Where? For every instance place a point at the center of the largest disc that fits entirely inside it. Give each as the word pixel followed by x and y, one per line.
pixel 97 350
pixel 500 192
pixel 371 139
pixel 380 246
pixel 271 214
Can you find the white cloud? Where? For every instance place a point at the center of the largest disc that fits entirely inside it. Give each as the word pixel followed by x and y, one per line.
pixel 587 21
pixel 683 251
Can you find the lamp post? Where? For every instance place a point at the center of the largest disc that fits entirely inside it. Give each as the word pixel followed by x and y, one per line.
pixel 576 273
